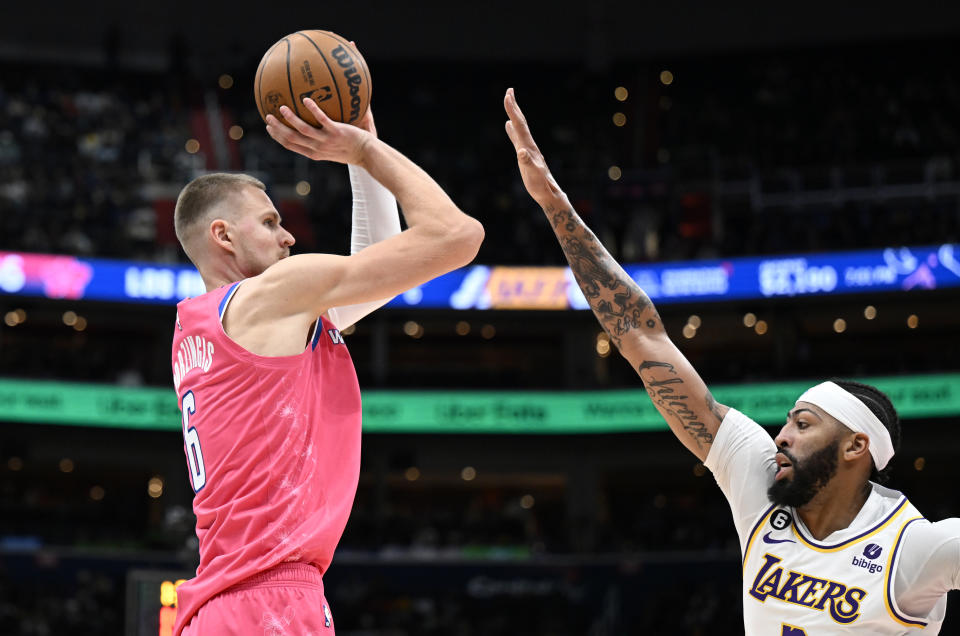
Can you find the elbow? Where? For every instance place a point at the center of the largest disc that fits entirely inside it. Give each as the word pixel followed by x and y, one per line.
pixel 450 241
pixel 477 234
pixel 636 346
pixel 466 240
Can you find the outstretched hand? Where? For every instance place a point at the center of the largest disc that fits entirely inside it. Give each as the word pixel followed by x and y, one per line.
pixel 533 168
pixel 331 141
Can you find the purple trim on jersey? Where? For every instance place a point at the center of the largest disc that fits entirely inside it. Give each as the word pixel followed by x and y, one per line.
pixel 823 546
pixel 226 299
pixel 317 330
pixel 889 585
pixel 763 517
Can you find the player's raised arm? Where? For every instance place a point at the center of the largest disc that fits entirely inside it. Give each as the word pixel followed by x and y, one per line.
pixel 623 309
pixel 374 218
pixel 439 237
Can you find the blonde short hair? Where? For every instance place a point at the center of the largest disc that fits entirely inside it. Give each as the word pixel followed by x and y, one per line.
pixel 202 195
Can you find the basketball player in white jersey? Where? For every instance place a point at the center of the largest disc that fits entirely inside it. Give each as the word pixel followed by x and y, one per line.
pixel 826 550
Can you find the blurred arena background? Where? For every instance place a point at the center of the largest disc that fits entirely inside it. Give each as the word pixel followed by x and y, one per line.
pixel 760 167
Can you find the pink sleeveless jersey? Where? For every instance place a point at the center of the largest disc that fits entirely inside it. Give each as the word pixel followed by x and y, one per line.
pixel 272 447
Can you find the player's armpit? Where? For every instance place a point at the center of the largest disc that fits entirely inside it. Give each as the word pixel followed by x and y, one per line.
pixel 677 391
pixel 343 317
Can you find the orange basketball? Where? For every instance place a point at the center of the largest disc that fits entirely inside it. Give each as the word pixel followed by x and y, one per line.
pixel 317 64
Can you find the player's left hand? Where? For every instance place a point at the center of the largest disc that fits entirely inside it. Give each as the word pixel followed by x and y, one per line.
pixel 533 167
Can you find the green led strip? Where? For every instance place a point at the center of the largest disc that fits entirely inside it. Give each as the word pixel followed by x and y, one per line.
pixel 463 411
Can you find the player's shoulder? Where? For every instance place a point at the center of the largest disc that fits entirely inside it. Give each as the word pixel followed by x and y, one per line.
pixel 887 495
pixel 926 530
pixel 736 417
pixel 891 505
pixel 293 286
pixel 737 428
pixel 932 542
pixel 910 523
pixel 209 296
pixel 197 311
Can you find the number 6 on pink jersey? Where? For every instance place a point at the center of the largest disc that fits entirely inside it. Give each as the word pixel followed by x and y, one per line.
pixel 191 438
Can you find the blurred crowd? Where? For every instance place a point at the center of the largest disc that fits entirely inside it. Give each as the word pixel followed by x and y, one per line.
pixel 731 155
pixel 51 599
pixel 76 152
pixel 654 510
pixel 432 558
pixel 396 599
pixel 800 145
pixel 430 521
pixel 814 106
pixel 482 565
pixel 727 155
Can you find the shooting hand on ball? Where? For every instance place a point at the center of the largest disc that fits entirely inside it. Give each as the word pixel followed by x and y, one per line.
pixel 332 141
pixel 533 168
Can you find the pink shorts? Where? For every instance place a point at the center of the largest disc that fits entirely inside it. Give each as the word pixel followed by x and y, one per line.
pixel 286 600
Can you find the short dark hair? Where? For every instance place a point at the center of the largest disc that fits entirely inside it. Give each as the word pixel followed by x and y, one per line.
pixel 202 194
pixel 881 406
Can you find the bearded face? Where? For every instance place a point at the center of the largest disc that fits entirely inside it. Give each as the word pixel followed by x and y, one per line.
pixel 806 476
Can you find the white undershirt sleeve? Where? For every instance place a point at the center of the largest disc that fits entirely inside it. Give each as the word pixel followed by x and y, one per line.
pixel 929 566
pixel 741 459
pixel 375 218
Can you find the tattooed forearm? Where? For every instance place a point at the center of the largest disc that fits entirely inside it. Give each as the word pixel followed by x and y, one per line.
pixel 617 301
pixel 666 389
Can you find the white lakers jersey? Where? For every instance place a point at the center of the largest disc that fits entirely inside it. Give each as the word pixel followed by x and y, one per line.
pixel 794 585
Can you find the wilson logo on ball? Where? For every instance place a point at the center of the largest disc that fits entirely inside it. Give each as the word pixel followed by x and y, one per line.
pixel 345 60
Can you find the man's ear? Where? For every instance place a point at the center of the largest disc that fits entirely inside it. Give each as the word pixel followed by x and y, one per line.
pixel 856 446
pixel 220 233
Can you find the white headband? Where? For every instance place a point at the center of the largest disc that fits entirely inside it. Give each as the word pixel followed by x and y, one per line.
pixel 853 414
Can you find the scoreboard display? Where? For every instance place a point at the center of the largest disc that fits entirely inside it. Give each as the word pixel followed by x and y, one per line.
pixel 151 606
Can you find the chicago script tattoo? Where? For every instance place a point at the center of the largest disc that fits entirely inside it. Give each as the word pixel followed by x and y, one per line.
pixel 666 389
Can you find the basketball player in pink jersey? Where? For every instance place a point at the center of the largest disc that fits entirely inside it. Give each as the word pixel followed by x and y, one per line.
pixel 268 393
pixel 826 549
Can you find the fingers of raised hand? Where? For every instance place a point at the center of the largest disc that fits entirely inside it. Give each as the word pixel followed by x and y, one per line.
pixel 511 133
pixel 277 130
pixel 289 139
pixel 513 108
pixel 521 131
pixel 318 113
pixel 298 124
